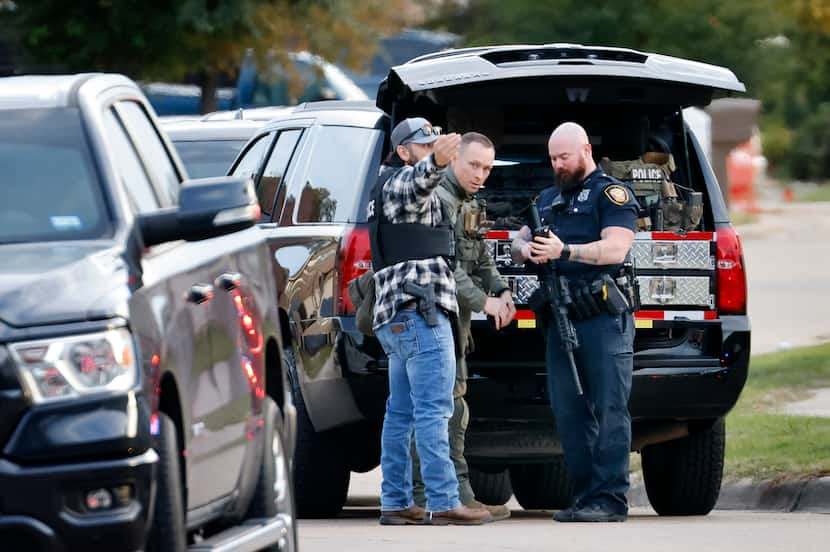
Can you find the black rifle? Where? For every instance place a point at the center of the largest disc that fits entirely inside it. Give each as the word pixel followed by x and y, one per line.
pixel 556 297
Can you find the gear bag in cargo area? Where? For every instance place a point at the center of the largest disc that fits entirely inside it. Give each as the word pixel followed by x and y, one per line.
pixel 662 207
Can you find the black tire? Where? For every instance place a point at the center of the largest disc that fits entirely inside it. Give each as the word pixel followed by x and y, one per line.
pixel 168 533
pixel 543 486
pixel 321 475
pixel 491 488
pixel 683 477
pixel 274 494
pixel 361 441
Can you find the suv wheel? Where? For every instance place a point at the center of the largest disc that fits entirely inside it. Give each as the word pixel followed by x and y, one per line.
pixel 683 476
pixel 167 533
pixel 274 494
pixel 362 441
pixel 542 486
pixel 491 488
pixel 321 476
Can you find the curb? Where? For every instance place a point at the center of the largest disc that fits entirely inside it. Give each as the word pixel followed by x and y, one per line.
pixel 808 495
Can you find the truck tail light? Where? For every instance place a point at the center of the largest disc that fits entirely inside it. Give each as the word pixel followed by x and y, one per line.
pixel 355 259
pixel 732 296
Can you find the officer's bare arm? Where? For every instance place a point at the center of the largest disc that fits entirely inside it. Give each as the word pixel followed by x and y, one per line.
pixel 611 249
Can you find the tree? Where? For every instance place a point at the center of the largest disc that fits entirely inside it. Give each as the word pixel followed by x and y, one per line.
pixel 724 33
pixel 779 48
pixel 155 39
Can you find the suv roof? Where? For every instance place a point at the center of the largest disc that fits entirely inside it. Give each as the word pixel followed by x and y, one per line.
pixel 208 129
pixel 249 114
pixel 336 112
pixel 488 65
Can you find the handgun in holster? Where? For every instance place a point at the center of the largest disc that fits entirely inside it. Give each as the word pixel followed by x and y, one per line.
pixel 627 280
pixel 615 300
pixel 426 301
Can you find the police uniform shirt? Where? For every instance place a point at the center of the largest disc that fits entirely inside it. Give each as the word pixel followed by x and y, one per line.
pixel 580 215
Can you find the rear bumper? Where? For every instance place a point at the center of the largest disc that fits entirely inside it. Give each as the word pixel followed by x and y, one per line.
pixel 511 419
pixel 42 508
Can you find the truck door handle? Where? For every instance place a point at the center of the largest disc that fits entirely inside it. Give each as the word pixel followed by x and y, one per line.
pixel 229 281
pixel 199 293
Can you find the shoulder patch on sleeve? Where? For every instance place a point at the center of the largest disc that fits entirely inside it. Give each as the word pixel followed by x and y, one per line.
pixel 617 194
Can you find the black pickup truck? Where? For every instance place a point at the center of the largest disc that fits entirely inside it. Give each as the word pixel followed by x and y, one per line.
pixel 314 167
pixel 143 401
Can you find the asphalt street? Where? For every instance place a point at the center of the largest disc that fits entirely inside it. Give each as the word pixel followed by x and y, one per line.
pixel 357 530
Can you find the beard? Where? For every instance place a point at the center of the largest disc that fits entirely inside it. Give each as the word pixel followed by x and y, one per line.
pixel 567 181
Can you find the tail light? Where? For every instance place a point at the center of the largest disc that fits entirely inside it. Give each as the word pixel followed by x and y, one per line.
pixel 731 274
pixel 355 259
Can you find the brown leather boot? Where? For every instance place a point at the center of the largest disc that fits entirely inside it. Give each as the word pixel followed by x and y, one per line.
pixel 414 515
pixel 460 516
pixel 498 511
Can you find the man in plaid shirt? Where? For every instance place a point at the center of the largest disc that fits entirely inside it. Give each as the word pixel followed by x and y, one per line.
pixel 421 350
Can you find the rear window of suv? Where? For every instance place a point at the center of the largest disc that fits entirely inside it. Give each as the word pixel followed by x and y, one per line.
pixel 51 189
pixel 343 164
pixel 207 158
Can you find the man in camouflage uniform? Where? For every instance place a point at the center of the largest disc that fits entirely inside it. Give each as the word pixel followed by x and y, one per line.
pixel 476 278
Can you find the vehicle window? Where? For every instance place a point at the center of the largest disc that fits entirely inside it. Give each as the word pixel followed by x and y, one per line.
pixel 306 80
pixel 511 187
pixel 280 86
pixel 337 176
pixel 251 160
pixel 270 91
pixel 207 158
pixel 274 170
pixel 152 150
pixel 50 185
pixel 128 164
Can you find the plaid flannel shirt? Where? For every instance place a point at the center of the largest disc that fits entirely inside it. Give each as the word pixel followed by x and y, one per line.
pixel 408 197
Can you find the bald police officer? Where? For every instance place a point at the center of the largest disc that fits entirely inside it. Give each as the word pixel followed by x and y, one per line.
pixel 593 218
pixel 479 288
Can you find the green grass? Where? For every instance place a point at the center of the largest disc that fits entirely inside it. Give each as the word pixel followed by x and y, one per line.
pixel 820 193
pixel 742 217
pixel 762 444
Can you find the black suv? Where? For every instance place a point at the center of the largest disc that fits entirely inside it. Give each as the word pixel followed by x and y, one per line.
pixel 141 383
pixel 314 167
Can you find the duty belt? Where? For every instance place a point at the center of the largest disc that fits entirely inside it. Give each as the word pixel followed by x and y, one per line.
pixel 605 294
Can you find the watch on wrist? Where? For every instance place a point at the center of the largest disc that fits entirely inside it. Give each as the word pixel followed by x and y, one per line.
pixel 566 252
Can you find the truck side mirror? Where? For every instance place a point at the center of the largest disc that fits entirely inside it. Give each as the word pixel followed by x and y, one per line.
pixel 208 207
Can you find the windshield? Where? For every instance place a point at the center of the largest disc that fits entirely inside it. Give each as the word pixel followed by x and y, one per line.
pixel 204 159
pixel 318 80
pixel 50 188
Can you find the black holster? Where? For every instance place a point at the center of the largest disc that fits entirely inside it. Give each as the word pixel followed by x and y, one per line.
pixel 426 301
pixel 605 294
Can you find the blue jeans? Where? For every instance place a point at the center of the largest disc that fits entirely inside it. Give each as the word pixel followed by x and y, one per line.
pixel 421 379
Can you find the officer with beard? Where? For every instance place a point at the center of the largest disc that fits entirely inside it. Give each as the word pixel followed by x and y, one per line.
pixel 593 218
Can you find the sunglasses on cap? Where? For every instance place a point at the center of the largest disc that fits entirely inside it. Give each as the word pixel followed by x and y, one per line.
pixel 426 130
